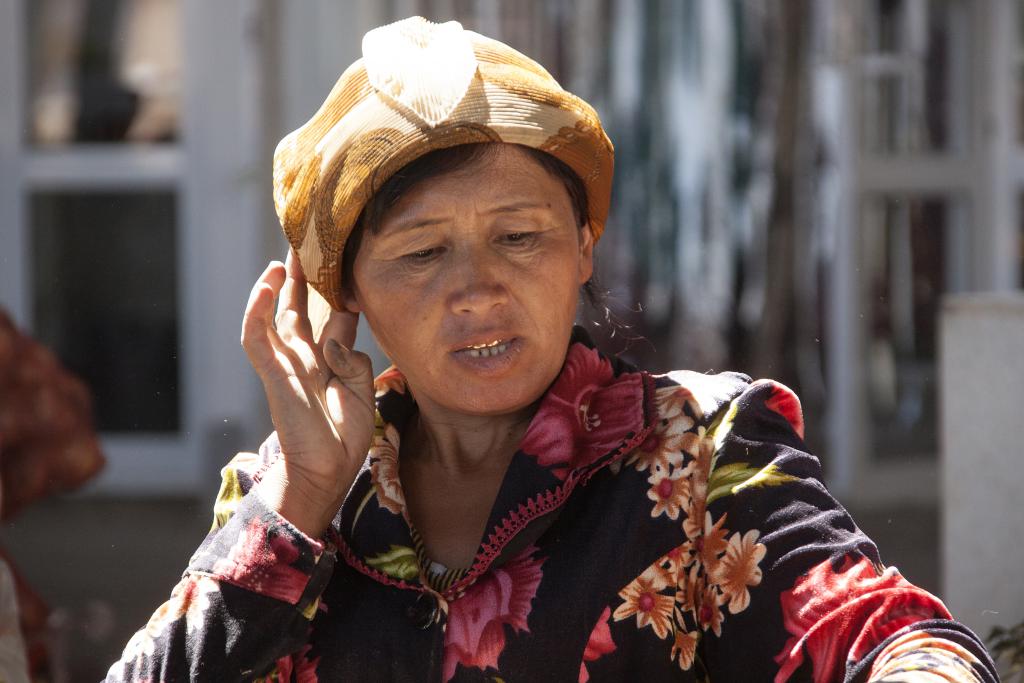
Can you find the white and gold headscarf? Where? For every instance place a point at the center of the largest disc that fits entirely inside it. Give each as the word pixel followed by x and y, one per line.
pixel 418 87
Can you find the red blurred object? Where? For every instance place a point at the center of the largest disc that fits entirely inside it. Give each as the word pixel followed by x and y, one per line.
pixel 48 445
pixel 47 441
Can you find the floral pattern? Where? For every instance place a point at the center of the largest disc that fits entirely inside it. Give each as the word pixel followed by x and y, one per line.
pixel 785 403
pixel 189 602
pixel 476 622
pixel 584 414
pixel 650 528
pixel 262 561
pixel 643 597
pixel 917 651
pixel 833 594
pixel 665 445
pixel 682 594
pixel 599 644
pixel 684 648
pixel 669 491
pixel 384 470
pixel 677 406
pixel 737 569
pixel 686 588
pixel 700 446
pixel 391 380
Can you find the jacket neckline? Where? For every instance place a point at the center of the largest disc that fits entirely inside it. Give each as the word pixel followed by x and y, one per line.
pixel 597 410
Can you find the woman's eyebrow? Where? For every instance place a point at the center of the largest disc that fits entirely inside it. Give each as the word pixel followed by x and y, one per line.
pixel 401 227
pixel 519 206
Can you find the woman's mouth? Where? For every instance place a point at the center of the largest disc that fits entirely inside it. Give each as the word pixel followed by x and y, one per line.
pixel 494 348
pixel 496 355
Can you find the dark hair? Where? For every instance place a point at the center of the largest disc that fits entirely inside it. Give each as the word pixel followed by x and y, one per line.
pixel 448 160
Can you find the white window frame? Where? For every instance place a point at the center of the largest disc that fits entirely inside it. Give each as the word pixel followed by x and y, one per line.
pixel 214 171
pixel 979 174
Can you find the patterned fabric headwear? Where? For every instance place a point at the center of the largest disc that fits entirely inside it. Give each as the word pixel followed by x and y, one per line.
pixel 418 87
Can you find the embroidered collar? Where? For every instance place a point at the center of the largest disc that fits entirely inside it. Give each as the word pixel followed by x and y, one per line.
pixel 597 410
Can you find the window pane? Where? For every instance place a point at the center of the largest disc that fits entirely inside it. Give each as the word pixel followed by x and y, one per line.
pixel 909 262
pixel 886 28
pixel 915 67
pixel 105 300
pixel 103 70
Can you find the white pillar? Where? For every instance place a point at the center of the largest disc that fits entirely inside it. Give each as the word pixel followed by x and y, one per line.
pixel 982 412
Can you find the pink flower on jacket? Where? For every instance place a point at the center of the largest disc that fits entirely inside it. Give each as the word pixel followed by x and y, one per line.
pixel 585 414
pixel 599 644
pixel 475 635
pixel 840 615
pixel 261 562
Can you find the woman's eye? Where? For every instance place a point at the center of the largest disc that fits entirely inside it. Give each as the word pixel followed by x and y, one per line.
pixel 423 254
pixel 519 237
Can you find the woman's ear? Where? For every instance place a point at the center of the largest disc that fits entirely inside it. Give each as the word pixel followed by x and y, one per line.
pixel 350 300
pixel 586 261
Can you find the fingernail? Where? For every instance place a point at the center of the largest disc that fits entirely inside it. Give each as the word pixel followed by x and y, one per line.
pixel 336 349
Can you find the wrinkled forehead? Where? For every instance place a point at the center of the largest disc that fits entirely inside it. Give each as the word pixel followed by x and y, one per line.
pixel 497 173
pixel 483 177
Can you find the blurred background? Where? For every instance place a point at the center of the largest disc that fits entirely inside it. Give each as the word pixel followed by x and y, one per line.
pixel 820 191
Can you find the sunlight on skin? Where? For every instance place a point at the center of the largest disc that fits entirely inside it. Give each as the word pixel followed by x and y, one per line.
pixel 489 253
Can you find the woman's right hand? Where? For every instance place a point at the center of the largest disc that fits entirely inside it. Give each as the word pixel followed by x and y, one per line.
pixel 320 394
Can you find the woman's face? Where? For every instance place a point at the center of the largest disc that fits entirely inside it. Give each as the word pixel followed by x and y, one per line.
pixel 470 285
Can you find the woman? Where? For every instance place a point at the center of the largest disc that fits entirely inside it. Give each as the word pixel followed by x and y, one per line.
pixel 634 527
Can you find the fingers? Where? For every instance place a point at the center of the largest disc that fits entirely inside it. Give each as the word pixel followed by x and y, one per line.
pixel 353 372
pixel 292 316
pixel 258 320
pixel 348 365
pixel 283 343
pixel 293 294
pixel 341 327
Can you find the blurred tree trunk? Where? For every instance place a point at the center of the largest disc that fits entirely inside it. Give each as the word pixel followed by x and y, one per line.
pixel 767 350
pixel 713 230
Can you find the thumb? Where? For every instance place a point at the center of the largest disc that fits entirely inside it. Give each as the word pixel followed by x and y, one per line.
pixel 352 371
pixel 347 364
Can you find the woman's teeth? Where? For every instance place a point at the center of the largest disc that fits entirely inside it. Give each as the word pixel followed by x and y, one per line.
pixel 485 350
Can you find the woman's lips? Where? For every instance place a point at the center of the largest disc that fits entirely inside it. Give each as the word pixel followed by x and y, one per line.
pixel 494 348
pixel 489 356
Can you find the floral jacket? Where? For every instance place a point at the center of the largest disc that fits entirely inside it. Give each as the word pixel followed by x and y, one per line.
pixel 649 528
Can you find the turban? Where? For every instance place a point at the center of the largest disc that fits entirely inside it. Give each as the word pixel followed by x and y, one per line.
pixel 419 87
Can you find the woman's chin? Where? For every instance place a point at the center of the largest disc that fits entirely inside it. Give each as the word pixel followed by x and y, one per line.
pixel 490 398
pixel 487 382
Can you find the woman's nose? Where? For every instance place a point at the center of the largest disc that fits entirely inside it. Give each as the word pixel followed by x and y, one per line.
pixel 478 283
